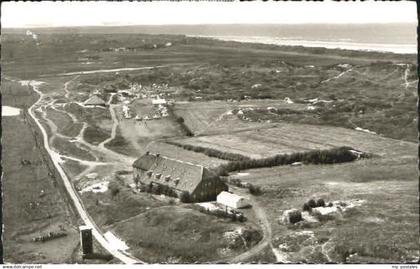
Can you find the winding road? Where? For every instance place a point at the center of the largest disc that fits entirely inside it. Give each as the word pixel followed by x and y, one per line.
pixel 121 255
pixel 111 70
pixel 112 159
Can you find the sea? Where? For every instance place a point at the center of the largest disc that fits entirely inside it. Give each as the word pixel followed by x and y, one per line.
pixel 385 37
pixel 395 38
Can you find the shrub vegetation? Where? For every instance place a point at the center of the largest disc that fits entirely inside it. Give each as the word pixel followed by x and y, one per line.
pixel 320 202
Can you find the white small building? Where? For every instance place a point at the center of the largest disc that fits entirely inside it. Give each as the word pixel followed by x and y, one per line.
pixel 232 200
pixel 158 101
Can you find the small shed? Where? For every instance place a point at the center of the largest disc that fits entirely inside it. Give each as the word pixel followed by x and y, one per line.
pixel 158 101
pixel 232 200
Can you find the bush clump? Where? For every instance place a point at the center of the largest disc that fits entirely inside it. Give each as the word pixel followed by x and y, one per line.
pixel 306 207
pixel 234 216
pixel 312 203
pixel 159 189
pixel 254 190
pixel 185 197
pixel 320 203
pixel 295 216
pixel 114 189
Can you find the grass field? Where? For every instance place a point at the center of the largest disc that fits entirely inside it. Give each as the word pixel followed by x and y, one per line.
pixel 167 233
pixel 58 53
pixel 106 208
pixel 201 117
pixel 175 152
pixel 98 119
pixel 67 148
pixel 389 189
pixel 64 123
pixel 73 168
pixel 34 201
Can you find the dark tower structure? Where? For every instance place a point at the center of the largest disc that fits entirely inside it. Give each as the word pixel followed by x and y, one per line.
pixel 86 240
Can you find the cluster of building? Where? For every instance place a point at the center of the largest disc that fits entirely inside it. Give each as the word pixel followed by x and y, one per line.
pixel 200 183
pixel 126 112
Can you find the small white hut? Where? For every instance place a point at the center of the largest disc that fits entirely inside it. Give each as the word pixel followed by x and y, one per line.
pixel 232 200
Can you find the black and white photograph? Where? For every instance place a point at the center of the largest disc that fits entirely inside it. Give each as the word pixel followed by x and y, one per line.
pixel 209 132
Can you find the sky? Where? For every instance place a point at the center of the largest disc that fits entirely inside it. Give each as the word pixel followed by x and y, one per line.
pixel 55 14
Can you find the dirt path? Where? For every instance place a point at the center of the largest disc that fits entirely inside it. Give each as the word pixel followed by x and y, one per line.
pixel 125 161
pixel 405 78
pixel 267 233
pixel 123 256
pixel 112 70
pixel 338 76
pixel 114 126
pixel 66 86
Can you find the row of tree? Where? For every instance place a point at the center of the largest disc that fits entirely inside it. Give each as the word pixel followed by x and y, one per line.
pixel 158 189
pixel 329 156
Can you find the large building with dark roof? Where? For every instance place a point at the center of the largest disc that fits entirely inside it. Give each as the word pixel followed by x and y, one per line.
pixel 200 183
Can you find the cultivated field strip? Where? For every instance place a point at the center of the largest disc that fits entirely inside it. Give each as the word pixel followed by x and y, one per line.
pixel 203 117
pixel 176 152
pixel 288 138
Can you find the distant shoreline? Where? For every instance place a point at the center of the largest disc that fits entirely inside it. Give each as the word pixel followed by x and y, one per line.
pixel 345 45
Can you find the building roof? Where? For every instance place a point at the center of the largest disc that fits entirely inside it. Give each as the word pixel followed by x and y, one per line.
pixel 227 196
pixel 158 101
pixel 95 101
pixel 171 171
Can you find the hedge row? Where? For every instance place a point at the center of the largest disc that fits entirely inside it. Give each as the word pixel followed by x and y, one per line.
pixel 158 189
pixel 329 156
pixel 223 214
pixel 239 162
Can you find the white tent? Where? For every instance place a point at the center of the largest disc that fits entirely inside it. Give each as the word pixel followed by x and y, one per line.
pixel 232 200
pixel 158 101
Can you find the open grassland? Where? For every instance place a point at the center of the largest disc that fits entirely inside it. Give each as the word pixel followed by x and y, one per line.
pixel 169 232
pixel 123 145
pixel 106 207
pixel 182 235
pixel 371 232
pixel 98 119
pixel 72 168
pixel 70 149
pixel 73 51
pixel 14 94
pixel 64 123
pixel 34 202
pixel 370 90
